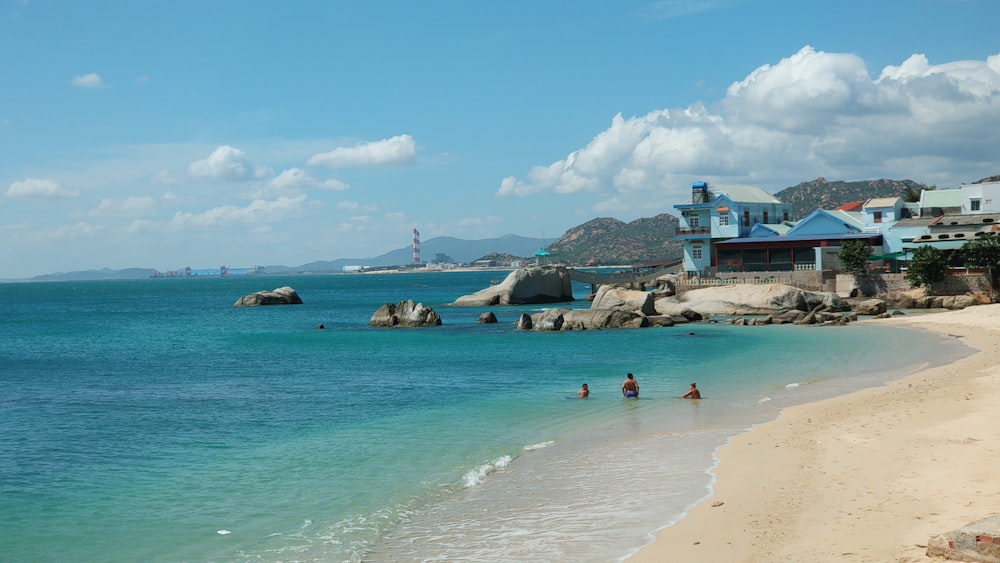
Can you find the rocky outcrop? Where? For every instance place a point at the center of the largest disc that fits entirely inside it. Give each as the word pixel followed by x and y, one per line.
pixel 280 296
pixel 537 285
pixel 588 319
pixel 870 307
pixel 619 298
pixel 749 300
pixel 487 318
pixel 404 314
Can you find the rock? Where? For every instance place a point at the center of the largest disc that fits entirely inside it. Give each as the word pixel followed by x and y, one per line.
pixel 959 301
pixel 660 320
pixel 788 316
pixel 544 284
pixel 747 299
pixel 404 314
pixel 487 318
pixel 611 297
pixel 587 319
pixel 871 307
pixel 280 296
pixel 524 322
pixel 549 319
pixel 976 542
pixel 691 315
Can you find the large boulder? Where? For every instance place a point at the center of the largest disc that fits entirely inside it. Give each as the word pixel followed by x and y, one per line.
pixel 612 297
pixel 404 314
pixel 280 296
pixel 587 319
pixel 526 286
pixel 870 307
pixel 748 299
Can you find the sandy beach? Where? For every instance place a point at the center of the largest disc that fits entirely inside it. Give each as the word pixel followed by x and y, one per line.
pixel 869 476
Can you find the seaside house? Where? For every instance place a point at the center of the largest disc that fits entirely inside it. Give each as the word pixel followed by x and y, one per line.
pixel 809 244
pixel 718 212
pixel 980 198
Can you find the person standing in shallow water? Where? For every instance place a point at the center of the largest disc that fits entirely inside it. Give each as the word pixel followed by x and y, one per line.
pixel 630 388
pixel 584 391
pixel 693 392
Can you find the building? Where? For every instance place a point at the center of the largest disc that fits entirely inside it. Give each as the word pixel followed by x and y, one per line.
pixel 719 212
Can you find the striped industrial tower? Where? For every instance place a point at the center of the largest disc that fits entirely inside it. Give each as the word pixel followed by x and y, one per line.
pixel 416 246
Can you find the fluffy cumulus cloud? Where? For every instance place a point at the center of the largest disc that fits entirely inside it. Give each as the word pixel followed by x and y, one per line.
pixel 397 150
pixel 811 114
pixel 90 80
pixel 39 188
pixel 229 164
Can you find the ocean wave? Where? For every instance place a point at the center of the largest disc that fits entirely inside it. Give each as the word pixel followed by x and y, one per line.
pixel 476 476
pixel 538 446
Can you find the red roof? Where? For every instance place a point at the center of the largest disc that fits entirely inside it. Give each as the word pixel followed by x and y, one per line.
pixel 853 206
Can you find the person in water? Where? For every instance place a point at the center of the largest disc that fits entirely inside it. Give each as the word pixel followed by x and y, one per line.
pixel 693 392
pixel 630 388
pixel 584 391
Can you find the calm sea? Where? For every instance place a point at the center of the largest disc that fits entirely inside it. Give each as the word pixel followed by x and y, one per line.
pixel 152 420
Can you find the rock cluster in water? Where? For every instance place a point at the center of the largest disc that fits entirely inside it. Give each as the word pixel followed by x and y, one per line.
pixel 280 296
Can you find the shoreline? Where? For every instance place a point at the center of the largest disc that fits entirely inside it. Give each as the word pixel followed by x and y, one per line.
pixel 867 476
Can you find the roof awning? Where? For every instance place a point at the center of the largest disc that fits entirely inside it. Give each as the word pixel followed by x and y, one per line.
pixel 902 255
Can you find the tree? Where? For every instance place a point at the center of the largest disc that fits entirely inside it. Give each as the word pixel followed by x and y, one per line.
pixel 983 252
pixel 928 266
pixel 853 257
pixel 912 194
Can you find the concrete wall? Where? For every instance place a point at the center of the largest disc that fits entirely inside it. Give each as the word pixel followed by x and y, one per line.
pixel 957 282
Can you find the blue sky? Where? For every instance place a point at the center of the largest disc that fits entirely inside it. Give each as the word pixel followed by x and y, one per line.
pixel 165 134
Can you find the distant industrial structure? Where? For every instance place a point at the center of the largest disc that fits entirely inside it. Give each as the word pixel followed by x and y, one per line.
pixel 416 246
pixel 221 271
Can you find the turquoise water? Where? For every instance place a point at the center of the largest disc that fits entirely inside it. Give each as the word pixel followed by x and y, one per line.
pixel 152 420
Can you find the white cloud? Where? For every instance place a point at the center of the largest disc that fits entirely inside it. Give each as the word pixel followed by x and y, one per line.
pixel 299 179
pixel 128 207
pixel 227 163
pixel 38 188
pixel 257 211
pixel 400 149
pixel 90 80
pixel 811 114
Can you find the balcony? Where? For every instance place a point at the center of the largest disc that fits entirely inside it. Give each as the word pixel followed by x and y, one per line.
pixel 705 231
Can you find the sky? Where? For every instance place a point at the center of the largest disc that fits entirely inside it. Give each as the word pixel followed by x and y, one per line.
pixel 171 133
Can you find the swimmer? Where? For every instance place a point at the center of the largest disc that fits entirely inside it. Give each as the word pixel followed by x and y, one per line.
pixel 630 388
pixel 693 392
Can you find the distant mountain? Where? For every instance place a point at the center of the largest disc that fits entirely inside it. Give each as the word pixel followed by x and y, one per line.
pixel 455 249
pixel 103 274
pixel 822 194
pixel 608 241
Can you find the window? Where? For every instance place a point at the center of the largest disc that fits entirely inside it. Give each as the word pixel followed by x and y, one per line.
pixel 974 204
pixel 693 221
pixel 696 252
pixel 765 217
pixel 878 216
pixel 746 218
pixel 724 220
pixel 785 215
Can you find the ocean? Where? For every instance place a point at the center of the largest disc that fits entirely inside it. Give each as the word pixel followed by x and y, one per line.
pixel 152 420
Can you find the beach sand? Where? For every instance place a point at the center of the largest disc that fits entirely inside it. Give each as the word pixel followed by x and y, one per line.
pixel 869 476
